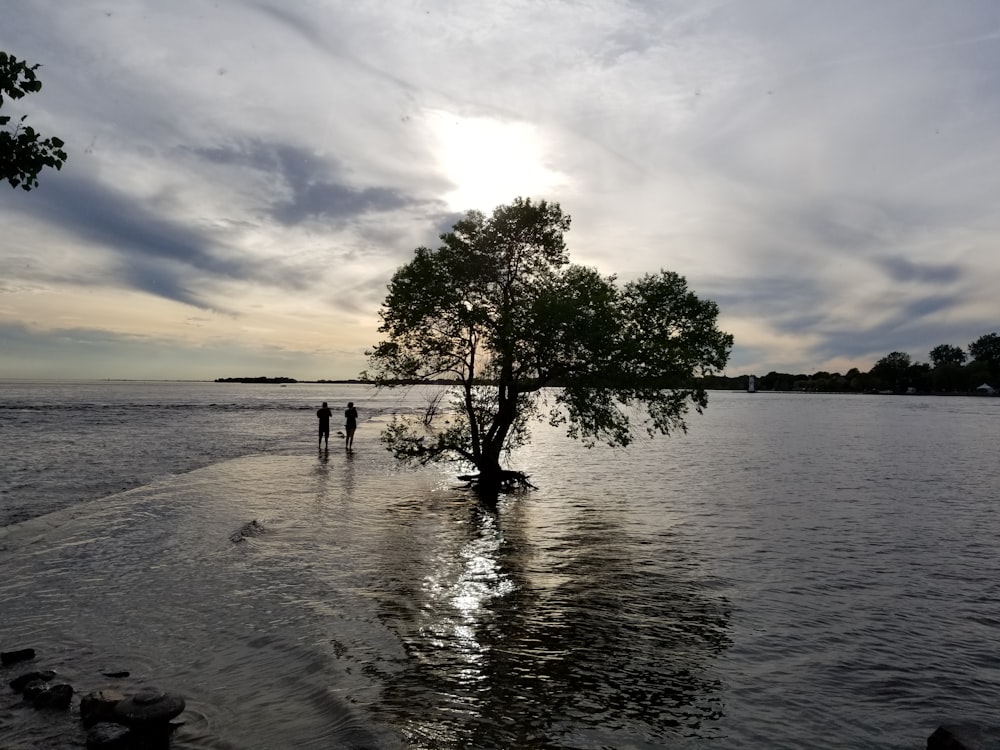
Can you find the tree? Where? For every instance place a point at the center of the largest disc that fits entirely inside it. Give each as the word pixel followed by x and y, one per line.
pixel 23 151
pixel 892 370
pixel 946 354
pixel 499 309
pixel 863 382
pixel 950 377
pixel 986 349
pixel 777 381
pixel 918 376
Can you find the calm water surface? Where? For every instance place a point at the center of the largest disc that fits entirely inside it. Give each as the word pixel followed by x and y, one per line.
pixel 797 571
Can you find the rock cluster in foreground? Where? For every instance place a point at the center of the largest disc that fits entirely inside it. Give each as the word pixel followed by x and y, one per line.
pixel 114 719
pixel 964 737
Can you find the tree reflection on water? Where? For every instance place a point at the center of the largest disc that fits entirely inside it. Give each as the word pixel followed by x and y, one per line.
pixel 572 633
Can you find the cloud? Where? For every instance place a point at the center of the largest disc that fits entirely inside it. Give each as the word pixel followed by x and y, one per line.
pixel 150 251
pixel 904 270
pixel 824 172
pixel 314 192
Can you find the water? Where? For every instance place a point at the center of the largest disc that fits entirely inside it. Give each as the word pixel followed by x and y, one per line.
pixel 66 442
pixel 797 571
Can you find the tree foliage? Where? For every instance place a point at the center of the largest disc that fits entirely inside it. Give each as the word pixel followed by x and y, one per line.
pixel 951 371
pixel 892 369
pixel 986 349
pixel 23 151
pixel 498 308
pixel 946 354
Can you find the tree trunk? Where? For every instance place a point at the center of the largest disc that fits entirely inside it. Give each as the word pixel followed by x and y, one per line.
pixel 491 481
pixel 490 473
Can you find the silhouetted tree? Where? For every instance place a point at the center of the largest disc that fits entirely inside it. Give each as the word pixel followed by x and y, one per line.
pixel 892 370
pixel 918 376
pixel 950 377
pixel 986 349
pixel 779 381
pixel 499 308
pixel 946 354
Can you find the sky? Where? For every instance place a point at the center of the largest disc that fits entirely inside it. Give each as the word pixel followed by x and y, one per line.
pixel 244 176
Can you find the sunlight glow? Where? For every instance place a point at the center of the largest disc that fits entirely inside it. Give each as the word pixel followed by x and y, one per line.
pixel 491 161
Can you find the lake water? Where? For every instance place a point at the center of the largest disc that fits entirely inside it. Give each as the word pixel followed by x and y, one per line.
pixel 797 571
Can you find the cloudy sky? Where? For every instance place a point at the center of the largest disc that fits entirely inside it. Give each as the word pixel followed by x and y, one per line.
pixel 244 175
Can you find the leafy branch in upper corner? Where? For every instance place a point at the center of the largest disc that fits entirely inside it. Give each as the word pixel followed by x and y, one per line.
pixel 23 151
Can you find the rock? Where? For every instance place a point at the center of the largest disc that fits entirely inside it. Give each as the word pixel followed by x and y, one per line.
pixel 59 695
pixel 251 528
pixel 964 737
pixel 34 689
pixel 99 705
pixel 148 706
pixel 121 674
pixel 12 657
pixel 21 681
pixel 108 736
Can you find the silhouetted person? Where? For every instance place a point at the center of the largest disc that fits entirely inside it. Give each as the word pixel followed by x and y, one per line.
pixel 352 424
pixel 324 414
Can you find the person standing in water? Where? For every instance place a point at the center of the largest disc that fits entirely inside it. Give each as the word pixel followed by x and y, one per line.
pixel 352 424
pixel 323 414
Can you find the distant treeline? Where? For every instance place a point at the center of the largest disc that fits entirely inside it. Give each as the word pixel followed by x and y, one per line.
pixel 261 379
pixel 282 380
pixel 267 379
pixel 951 369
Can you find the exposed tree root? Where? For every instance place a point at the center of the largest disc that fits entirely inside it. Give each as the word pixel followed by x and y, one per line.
pixel 505 481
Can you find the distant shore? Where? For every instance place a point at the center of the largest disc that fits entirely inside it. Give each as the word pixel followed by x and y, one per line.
pixel 715 384
pixel 350 381
pixel 284 381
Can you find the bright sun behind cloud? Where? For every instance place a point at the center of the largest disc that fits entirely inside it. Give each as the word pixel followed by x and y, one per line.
pixel 491 162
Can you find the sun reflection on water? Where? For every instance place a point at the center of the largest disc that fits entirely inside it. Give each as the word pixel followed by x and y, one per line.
pixel 459 592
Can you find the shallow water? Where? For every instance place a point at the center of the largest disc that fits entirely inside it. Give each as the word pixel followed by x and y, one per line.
pixel 797 571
